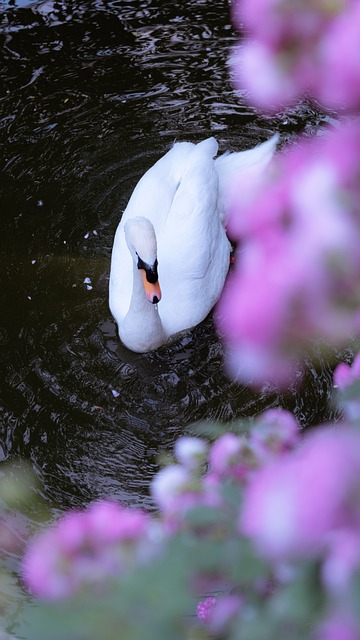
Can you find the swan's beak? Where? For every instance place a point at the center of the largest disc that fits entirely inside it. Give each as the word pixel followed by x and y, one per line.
pixel 152 289
pixel 149 274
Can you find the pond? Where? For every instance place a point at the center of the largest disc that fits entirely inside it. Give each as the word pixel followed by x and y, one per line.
pixel 92 94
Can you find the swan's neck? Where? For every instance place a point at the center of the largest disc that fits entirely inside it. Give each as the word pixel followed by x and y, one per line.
pixel 142 329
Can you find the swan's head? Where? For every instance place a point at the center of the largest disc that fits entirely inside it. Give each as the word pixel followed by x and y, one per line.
pixel 141 240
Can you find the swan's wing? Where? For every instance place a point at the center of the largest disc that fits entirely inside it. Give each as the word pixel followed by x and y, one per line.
pixel 193 250
pixel 242 165
pixel 192 222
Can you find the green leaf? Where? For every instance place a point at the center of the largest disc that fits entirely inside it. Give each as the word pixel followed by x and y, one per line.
pixel 203 517
pixel 303 599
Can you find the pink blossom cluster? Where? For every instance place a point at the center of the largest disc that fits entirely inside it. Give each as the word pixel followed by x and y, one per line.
pixel 196 479
pixel 85 548
pixel 297 268
pixel 299 501
pixel 306 505
pixel 347 383
pixel 339 625
pixel 106 540
pixel 179 488
pixel 238 457
pixel 302 501
pixel 294 48
pixel 217 613
pixel 345 374
pixel 205 608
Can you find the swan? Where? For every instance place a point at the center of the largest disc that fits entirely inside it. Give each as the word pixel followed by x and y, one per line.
pixel 171 255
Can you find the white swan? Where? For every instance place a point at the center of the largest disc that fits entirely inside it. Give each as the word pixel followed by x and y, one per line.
pixel 171 235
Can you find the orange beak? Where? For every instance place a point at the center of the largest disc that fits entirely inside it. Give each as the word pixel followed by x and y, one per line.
pixel 152 290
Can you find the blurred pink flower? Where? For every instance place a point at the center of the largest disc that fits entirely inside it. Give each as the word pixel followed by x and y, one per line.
pixel 231 457
pixel 338 85
pixel 275 431
pixel 345 375
pixel 84 547
pixel 41 568
pixel 256 69
pixel 177 490
pixel 294 49
pixel 283 20
pixel 205 609
pixel 342 560
pixel 296 278
pixel 168 484
pixel 339 625
pixel 224 612
pixel 293 505
pixel 191 452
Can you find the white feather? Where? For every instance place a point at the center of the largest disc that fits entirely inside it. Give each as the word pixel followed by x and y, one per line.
pixel 183 196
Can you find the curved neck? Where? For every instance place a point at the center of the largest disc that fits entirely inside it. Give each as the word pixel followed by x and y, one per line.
pixel 141 329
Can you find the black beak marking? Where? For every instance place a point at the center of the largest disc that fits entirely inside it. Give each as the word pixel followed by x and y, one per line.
pixel 150 270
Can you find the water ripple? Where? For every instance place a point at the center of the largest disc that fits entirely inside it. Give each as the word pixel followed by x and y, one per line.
pixel 91 97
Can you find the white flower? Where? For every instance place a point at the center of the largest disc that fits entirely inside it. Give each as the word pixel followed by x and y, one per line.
pixel 169 483
pixel 191 452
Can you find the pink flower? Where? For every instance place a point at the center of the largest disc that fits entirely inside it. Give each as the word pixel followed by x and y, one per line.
pixel 231 457
pixel 191 452
pixel 205 609
pixel 254 366
pixel 107 522
pixel 339 625
pixel 256 69
pixel 217 613
pixel 238 457
pixel 275 431
pixel 345 375
pixel 176 491
pixel 293 505
pixel 278 21
pixel 41 569
pixel 224 612
pixel 338 85
pixel 84 547
pixel 342 560
pixel 296 278
pixel 297 49
pixel 168 484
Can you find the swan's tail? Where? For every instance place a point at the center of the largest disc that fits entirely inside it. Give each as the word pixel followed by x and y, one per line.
pixel 240 165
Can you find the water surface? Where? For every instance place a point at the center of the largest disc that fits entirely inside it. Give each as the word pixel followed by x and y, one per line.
pixel 93 93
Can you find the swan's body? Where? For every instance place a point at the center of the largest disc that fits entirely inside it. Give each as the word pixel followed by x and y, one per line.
pixel 172 233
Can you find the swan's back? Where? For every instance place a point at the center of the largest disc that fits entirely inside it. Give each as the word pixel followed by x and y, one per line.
pixel 154 193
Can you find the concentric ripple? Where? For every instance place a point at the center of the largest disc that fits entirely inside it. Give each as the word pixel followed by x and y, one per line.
pixel 91 97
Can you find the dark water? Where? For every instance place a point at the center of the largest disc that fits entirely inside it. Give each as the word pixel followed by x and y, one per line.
pixel 92 93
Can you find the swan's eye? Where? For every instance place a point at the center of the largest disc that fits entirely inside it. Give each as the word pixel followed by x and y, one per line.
pixel 141 264
pixel 150 270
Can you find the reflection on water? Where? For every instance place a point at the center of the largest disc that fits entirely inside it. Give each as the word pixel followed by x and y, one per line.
pixel 92 94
